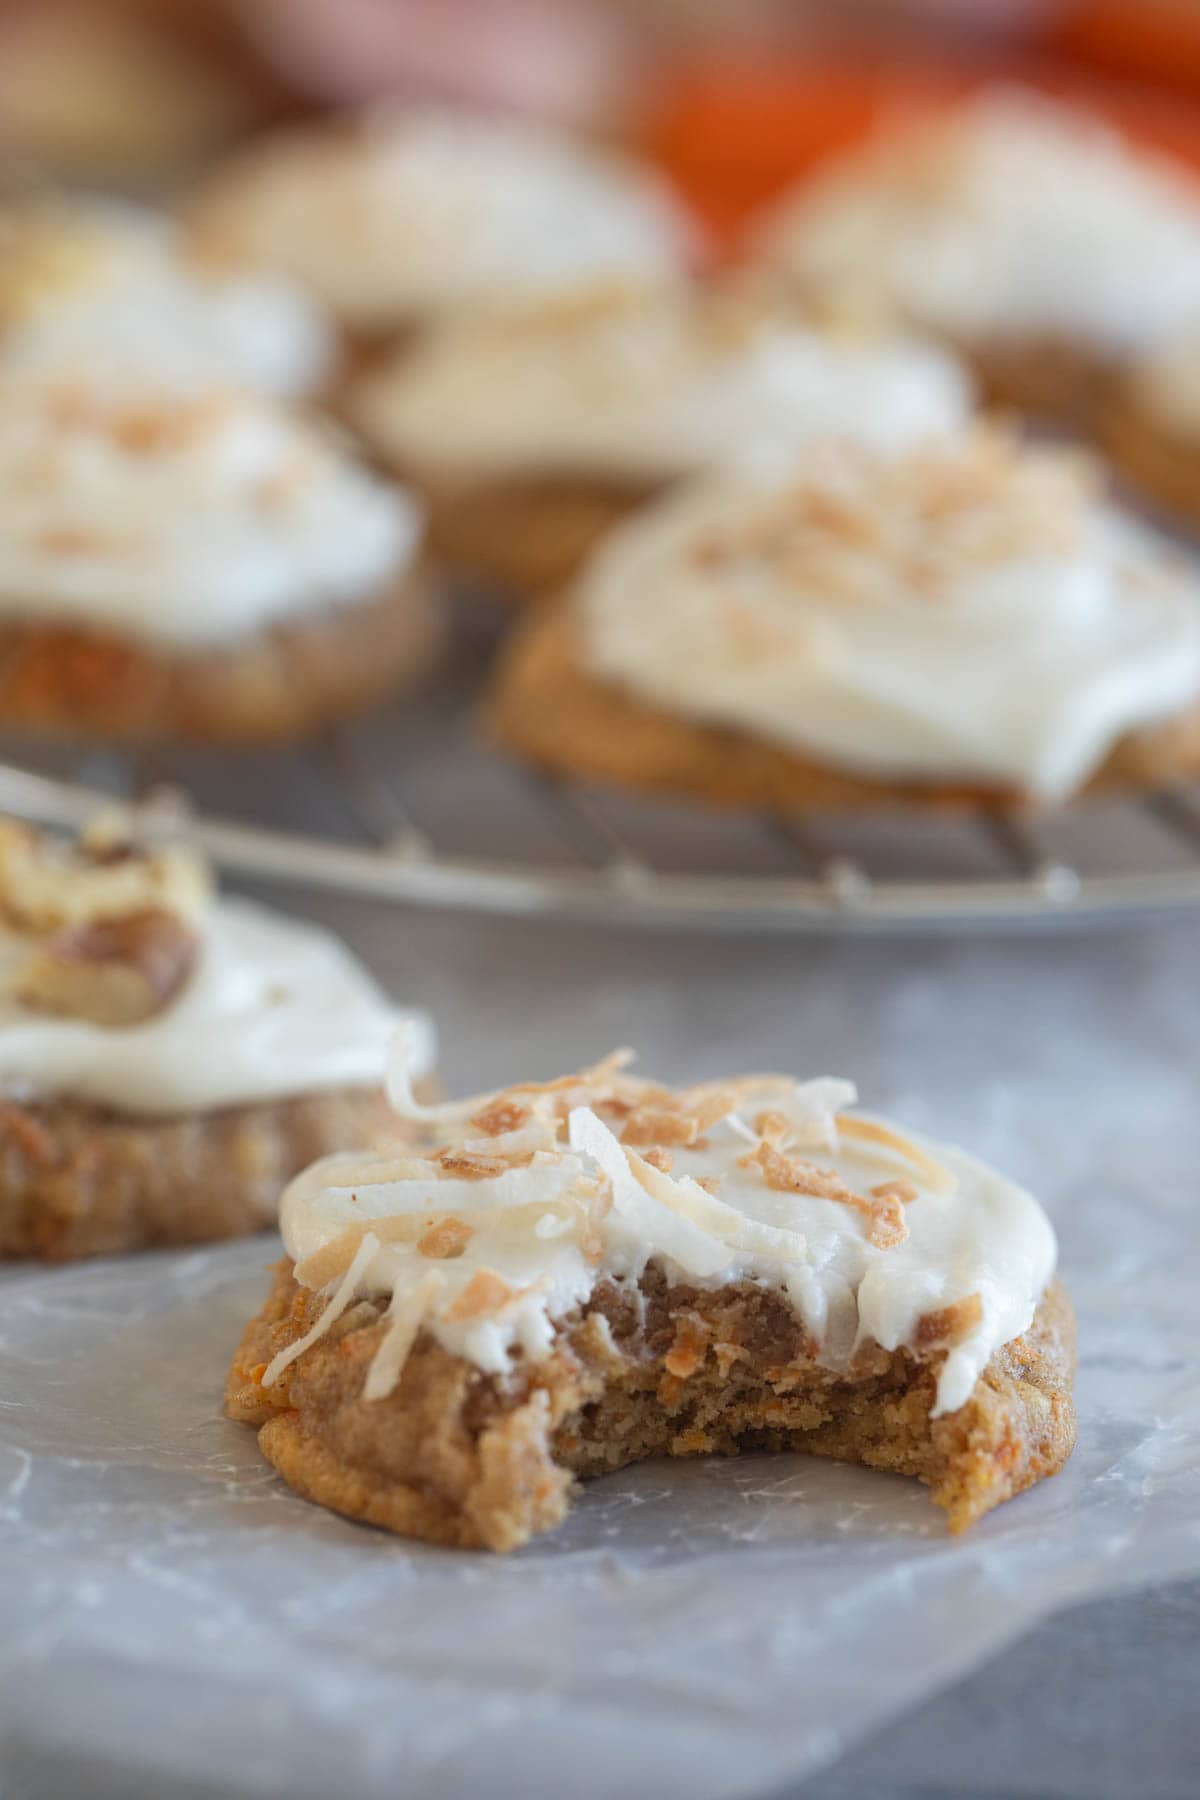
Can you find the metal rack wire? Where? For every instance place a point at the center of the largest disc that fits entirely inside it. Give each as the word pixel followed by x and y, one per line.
pixel 413 807
pixel 430 818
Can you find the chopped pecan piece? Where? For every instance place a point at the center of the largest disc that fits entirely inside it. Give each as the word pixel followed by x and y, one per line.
pixel 110 972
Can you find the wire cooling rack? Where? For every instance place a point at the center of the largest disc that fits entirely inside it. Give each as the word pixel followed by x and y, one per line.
pixel 414 807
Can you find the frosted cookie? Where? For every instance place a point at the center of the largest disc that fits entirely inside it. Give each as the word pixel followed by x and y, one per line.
pixel 167 1059
pixel 1032 235
pixel 529 434
pixel 207 566
pixel 967 621
pixel 567 1277
pixel 397 216
pixel 109 291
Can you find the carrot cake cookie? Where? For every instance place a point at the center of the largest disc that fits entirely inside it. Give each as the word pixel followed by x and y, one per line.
pixel 567 1277
pixel 167 1059
pixel 201 566
pixel 528 434
pixel 965 622
pixel 399 215
pixel 1031 235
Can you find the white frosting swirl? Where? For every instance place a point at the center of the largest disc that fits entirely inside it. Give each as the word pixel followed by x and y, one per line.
pixel 1013 217
pixel 964 612
pixel 184 522
pixel 107 289
pixel 966 1230
pixel 275 1008
pixel 652 385
pixel 405 213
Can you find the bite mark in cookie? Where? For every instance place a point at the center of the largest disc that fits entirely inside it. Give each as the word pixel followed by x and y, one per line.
pixel 603 1302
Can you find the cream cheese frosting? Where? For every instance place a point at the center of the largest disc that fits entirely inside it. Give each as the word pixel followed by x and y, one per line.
pixel 108 290
pixel 1012 217
pixel 274 1008
pixel 650 384
pixel 968 610
pixel 524 1200
pixel 403 213
pixel 184 522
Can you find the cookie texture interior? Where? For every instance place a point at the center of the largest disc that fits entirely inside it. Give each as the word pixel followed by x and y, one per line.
pixel 646 1369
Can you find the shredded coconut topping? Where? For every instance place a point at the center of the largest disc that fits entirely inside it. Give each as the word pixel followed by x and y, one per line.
pixel 950 507
pixel 757 1178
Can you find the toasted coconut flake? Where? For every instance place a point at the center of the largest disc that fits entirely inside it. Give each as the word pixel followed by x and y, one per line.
pixel 901 1189
pixel 795 1175
pixel 469 1165
pixel 596 1075
pixel 501 1117
pixel 485 1294
pixel 447 1237
pixel 660 1159
pixel 724 1224
pixel 648 1125
pixel 868 1131
pixel 336 1307
pixel 949 1325
pixel 773 1128
pixel 330 1259
pixel 404 1318
pixel 886 1224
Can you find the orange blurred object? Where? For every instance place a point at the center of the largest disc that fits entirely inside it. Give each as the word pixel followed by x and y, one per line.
pixel 1156 40
pixel 734 133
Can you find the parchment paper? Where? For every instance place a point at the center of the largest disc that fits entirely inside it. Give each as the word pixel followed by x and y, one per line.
pixel 174 1624
pixel 173 1616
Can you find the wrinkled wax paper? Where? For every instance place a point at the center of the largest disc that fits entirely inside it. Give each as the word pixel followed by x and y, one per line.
pixel 172 1614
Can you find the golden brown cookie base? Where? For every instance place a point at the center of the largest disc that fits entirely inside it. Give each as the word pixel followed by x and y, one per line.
pixel 524 537
pixel 1051 379
pixel 463 1458
pixel 70 681
pixel 545 708
pixel 81 1180
pixel 1161 463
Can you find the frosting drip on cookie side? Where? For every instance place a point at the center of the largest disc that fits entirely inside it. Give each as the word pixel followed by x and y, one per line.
pixel 407 212
pixel 238 1004
pixel 522 1201
pixel 967 611
pixel 652 385
pixel 106 289
pixel 1012 217
pixel 184 523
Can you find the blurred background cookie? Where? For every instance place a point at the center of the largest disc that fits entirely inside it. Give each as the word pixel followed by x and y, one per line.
pixel 530 434
pixel 962 622
pixel 200 566
pixel 168 1059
